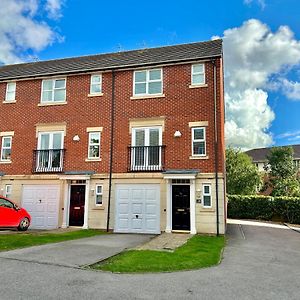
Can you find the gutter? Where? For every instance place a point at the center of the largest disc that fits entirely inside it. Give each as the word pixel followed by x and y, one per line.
pixel 112 125
pixel 216 146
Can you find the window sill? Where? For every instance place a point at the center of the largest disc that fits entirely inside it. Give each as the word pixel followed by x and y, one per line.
pixel 147 97
pixel 52 103
pixel 9 102
pixel 92 160
pixel 195 86
pixel 199 157
pixel 95 95
pixel 5 161
pixel 98 207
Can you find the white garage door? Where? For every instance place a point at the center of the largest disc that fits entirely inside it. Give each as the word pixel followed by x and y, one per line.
pixel 137 208
pixel 41 201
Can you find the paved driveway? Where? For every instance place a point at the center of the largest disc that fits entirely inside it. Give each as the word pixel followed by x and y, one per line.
pixel 79 252
pixel 259 263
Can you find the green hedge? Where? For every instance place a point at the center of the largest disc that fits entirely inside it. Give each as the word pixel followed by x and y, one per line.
pixel 285 209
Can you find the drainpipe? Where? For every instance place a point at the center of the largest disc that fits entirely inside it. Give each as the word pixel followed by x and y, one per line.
pixel 216 146
pixel 112 125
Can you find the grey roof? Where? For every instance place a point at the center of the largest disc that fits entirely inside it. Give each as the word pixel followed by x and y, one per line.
pixel 119 60
pixel 260 154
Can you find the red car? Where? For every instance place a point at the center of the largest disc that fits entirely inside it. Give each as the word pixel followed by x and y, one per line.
pixel 13 216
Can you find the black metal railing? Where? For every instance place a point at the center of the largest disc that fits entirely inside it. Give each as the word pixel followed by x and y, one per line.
pixel 48 161
pixel 146 158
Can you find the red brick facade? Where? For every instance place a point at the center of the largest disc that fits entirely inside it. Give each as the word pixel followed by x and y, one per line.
pixel 180 106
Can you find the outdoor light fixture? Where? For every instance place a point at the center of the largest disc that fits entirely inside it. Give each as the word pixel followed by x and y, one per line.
pixel 76 138
pixel 177 133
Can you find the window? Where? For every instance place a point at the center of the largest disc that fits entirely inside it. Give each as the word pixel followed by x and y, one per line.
pixel 206 200
pixel 146 150
pixel 96 84
pixel 99 194
pixel 5 203
pixel 6 148
pixel 198 74
pixel 50 152
pixel 10 92
pixel 198 141
pixel 94 145
pixel 148 82
pixel 8 190
pixel 54 90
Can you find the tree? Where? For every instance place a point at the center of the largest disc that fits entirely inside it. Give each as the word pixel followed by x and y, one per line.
pixel 242 177
pixel 283 175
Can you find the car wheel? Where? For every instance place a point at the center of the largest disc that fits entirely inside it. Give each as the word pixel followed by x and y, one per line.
pixel 24 224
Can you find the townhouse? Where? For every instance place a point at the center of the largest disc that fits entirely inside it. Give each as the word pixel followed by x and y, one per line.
pixel 130 141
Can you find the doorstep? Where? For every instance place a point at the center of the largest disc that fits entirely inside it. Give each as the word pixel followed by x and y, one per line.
pixel 166 242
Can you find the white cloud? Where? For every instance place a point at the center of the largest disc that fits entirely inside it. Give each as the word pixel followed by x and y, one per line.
pixel 261 3
pixel 21 31
pixel 255 59
pixel 291 89
pixel 289 134
pixel 53 7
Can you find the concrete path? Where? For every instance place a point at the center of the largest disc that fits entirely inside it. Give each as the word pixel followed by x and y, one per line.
pixel 166 242
pixel 79 252
pixel 259 263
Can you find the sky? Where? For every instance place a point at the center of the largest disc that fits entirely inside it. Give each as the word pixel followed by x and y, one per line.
pixel 261 49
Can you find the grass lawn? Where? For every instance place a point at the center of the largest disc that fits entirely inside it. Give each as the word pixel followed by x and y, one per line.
pixel 27 239
pixel 198 252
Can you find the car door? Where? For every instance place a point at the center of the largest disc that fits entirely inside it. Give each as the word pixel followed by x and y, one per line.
pixel 9 216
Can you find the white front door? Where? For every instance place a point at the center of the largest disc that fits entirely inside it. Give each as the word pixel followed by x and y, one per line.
pixel 138 208
pixel 41 202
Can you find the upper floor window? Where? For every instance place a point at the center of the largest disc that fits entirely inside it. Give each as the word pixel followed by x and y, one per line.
pixel 10 91
pixel 198 141
pixel 94 145
pixel 6 148
pixel 148 82
pixel 54 90
pixel 96 84
pixel 49 156
pixel 198 74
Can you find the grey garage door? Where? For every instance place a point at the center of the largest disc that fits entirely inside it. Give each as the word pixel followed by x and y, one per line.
pixel 137 208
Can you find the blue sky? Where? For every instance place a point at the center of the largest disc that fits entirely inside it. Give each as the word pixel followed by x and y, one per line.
pixel 259 112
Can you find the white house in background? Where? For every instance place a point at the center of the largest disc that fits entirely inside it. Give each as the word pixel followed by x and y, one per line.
pixel 259 156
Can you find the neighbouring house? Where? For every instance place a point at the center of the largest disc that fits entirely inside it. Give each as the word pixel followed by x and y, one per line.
pixel 131 141
pixel 259 156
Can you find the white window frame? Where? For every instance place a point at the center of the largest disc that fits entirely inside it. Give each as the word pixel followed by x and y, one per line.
pixel 8 191
pixel 198 73
pixel 7 92
pixel 94 144
pixel 206 194
pixel 98 194
pixel 91 84
pixel 5 148
pixel 148 81
pixel 51 133
pixel 199 140
pixel 53 89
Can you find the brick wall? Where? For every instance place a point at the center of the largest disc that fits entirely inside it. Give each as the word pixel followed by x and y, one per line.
pixel 180 106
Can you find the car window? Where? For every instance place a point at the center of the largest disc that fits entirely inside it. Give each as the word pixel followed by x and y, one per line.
pixel 5 203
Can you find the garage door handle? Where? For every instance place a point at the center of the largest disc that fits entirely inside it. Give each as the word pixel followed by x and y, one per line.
pixel 136 216
pixel 40 201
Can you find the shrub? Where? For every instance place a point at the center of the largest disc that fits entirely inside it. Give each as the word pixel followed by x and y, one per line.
pixel 287 209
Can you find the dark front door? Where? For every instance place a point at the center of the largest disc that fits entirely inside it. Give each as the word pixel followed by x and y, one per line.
pixel 180 207
pixel 77 200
